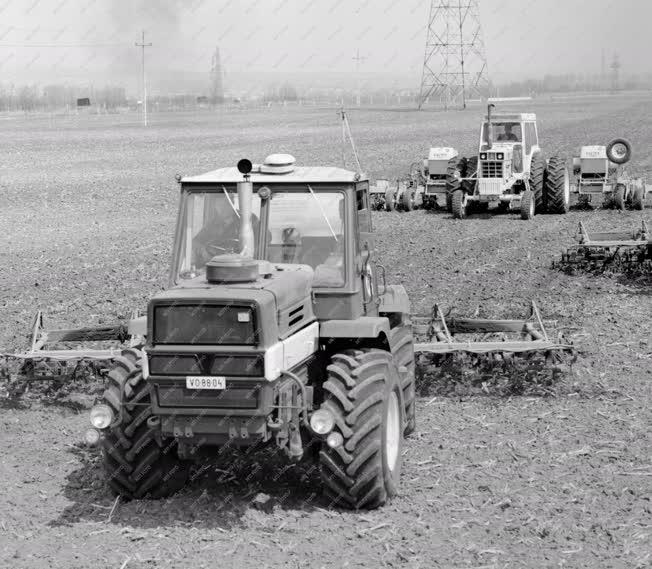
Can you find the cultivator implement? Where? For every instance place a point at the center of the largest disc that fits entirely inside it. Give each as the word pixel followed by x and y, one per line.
pixel 51 356
pixel 514 351
pixel 614 251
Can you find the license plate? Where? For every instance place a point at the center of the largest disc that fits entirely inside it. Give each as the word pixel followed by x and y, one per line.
pixel 205 382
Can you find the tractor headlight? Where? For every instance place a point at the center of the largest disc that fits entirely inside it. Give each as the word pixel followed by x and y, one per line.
pixel 335 440
pixel 101 416
pixel 501 156
pixel 322 422
pixel 92 437
pixel 483 156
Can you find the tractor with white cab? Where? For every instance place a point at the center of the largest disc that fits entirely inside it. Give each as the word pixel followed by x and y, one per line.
pixel 510 171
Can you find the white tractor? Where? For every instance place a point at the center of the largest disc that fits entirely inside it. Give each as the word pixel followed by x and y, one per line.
pixel 510 171
pixel 438 169
pixel 600 171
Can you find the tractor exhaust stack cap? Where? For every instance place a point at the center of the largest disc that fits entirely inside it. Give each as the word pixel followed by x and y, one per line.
pixel 245 197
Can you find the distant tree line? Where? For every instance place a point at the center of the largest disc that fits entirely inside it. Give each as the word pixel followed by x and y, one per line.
pixel 51 97
pixel 574 82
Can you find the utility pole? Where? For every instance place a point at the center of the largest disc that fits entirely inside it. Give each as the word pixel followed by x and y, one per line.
pixel 357 60
pixel 143 45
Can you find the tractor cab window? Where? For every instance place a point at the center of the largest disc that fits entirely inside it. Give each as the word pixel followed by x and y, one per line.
pixel 209 226
pixel 307 227
pixel 530 137
pixel 504 132
pixel 364 213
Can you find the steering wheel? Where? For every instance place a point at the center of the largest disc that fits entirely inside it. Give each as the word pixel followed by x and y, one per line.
pixel 215 249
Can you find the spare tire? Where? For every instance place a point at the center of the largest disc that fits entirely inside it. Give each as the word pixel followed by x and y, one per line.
pixel 619 151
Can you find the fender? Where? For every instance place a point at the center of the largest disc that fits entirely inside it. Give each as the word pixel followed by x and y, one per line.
pixel 364 327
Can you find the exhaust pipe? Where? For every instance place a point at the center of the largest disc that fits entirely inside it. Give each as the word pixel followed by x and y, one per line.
pixel 490 126
pixel 245 198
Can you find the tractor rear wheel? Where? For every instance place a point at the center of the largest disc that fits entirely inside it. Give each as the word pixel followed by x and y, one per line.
pixel 638 196
pixel 537 172
pixel 363 391
pixel 557 186
pixel 407 199
pixel 527 205
pixel 619 196
pixel 390 199
pixel 136 463
pixel 459 204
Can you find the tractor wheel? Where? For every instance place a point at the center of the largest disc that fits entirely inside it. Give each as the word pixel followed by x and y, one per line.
pixel 453 173
pixel 537 174
pixel 402 342
pixel 638 197
pixel 390 199
pixel 619 196
pixel 459 204
pixel 528 207
pixel 363 391
pixel 407 199
pixel 557 186
pixel 619 151
pixel 136 463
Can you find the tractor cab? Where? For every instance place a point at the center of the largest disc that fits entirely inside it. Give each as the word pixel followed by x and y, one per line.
pixel 507 143
pixel 315 217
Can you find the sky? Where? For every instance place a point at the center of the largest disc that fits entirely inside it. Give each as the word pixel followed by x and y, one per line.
pixel 73 40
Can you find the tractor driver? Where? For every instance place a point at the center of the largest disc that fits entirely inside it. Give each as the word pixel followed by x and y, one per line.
pixel 508 135
pixel 220 234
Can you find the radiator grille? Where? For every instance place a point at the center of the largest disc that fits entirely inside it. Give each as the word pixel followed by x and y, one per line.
pixel 492 169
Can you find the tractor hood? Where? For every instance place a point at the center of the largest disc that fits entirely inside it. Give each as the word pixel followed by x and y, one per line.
pixel 280 298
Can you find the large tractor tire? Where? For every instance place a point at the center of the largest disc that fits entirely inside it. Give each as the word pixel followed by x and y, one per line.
pixel 459 204
pixel 364 393
pixel 402 343
pixel 619 151
pixel 390 199
pixel 537 174
pixel 557 186
pixel 453 183
pixel 136 464
pixel 638 198
pixel 408 199
pixel 528 207
pixel 619 196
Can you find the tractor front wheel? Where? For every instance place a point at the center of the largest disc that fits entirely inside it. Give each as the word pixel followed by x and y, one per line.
pixel 137 464
pixel 390 199
pixel 408 198
pixel 557 186
pixel 537 173
pixel 619 196
pixel 638 196
pixel 459 204
pixel 364 393
pixel 527 205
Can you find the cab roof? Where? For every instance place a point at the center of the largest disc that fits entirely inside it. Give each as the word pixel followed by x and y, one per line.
pixel 299 175
pixel 512 117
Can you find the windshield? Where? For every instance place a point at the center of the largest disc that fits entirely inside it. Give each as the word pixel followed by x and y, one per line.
pixel 504 132
pixel 308 228
pixel 210 225
pixel 304 227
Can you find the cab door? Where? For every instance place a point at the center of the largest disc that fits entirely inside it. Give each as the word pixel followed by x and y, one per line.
pixel 365 262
